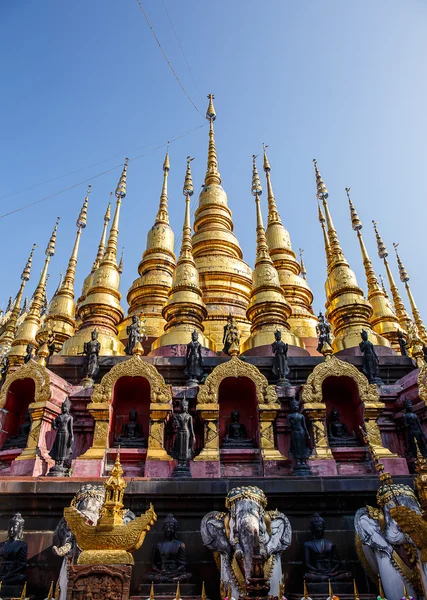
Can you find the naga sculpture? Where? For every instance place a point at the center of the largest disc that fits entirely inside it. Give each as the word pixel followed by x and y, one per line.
pixel 235 535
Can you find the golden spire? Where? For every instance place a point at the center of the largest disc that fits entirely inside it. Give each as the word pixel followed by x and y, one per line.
pixel 60 319
pixel 178 592
pixel 152 591
pixel 149 292
pixel 226 279
pixel 101 308
pixel 355 591
pixel 346 308
pixel 302 265
pixel 331 594
pixel 322 222
pixel 120 267
pixel 24 592
pixel 50 593
pixel 404 278
pixel 399 307
pixel 306 597
pixel 268 309
pixel 28 329
pixel 111 514
pixel 383 319
pixel 10 329
pixel 297 292
pixel 203 595
pixel 184 311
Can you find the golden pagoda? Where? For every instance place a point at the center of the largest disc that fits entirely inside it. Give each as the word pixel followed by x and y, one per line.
pixel 268 309
pixel 225 279
pixel 346 308
pixel 297 292
pixel 184 311
pixel 27 331
pixel 9 332
pixel 399 307
pixel 149 293
pixel 404 278
pixel 101 308
pixel 60 318
pixel 383 319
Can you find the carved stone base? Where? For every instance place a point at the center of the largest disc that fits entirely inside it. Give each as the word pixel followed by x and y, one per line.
pixel 158 469
pixel 58 471
pixel 302 470
pixel 31 467
pixel 206 468
pixel 323 468
pixel 102 581
pixel 88 468
pixel 181 471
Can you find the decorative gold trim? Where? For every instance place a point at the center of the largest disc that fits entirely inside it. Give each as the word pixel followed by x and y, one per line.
pixel 37 373
pixel 422 382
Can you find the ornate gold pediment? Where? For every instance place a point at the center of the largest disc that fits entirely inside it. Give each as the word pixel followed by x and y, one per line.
pixel 160 392
pixel 334 367
pixel 34 371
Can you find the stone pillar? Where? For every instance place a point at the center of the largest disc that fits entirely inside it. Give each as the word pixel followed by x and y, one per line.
pixel 207 463
pixel 322 462
pixel 92 462
pixel 158 462
pixel 271 456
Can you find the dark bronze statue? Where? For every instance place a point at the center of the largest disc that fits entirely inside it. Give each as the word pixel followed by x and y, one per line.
pixel 29 353
pixel 20 439
pixel 300 448
pixel 402 344
pixel 236 436
pixel 132 435
pixel 134 334
pixel 414 435
pixel 184 440
pixel 91 351
pixel 193 360
pixel 4 368
pixel 321 556
pixel 51 346
pixel 231 337
pixel 323 330
pixel 169 563
pixel 338 433
pixel 280 361
pixel 13 553
pixel 370 360
pixel 62 447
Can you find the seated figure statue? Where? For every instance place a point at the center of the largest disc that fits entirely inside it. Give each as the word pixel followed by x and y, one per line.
pixel 321 557
pixel 13 553
pixel 236 436
pixel 20 439
pixel 169 563
pixel 338 433
pixel 132 435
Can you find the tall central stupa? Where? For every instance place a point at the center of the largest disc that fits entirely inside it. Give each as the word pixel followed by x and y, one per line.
pixel 225 278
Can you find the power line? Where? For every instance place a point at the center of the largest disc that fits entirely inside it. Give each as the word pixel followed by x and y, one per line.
pixel 182 51
pixel 167 60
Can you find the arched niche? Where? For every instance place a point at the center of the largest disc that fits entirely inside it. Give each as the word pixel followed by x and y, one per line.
pixel 129 393
pixel 342 393
pixel 238 393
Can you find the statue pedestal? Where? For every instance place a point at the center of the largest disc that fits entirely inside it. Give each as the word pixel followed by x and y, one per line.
pixel 323 467
pixel 100 579
pixel 158 469
pixel 30 467
pixel 88 468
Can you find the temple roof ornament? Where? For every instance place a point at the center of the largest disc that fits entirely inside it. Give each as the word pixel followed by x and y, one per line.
pixel 346 308
pixel 149 292
pixel 225 278
pixel 297 291
pixel 383 319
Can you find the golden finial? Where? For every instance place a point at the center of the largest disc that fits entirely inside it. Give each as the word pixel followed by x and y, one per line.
pixel 273 213
pixel 405 592
pixel 166 163
pixel 402 271
pixel 57 591
pixel 82 218
pixel 121 186
pixel 178 592
pixel 327 244
pixel 107 215
pixel 380 589
pixel 188 189
pixel 383 285
pixel 101 247
pixel 24 592
pixel 50 250
pixel 331 594
pixel 120 267
pixel 382 250
pixel 50 593
pixel 267 167
pixel 256 189
pixel 322 192
pixel 356 223
pixel 301 260
pixel 203 595
pixel 306 597
pixel 212 173
pixel 115 485
pixel 152 591
pixel 162 213
pixel 355 591
pixel 25 276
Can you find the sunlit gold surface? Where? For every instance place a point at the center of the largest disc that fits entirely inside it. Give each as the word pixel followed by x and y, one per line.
pixel 225 279
pixel 297 291
pixel 149 292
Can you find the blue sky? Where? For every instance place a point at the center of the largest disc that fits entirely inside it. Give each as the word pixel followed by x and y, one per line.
pixel 85 85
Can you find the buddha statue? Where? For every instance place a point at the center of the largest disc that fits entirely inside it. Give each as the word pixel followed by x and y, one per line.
pixel 13 553
pixel 20 439
pixel 338 433
pixel 169 563
pixel 415 438
pixel 132 435
pixel 321 556
pixel 236 435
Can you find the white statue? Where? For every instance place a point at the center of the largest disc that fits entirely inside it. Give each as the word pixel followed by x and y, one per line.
pixel 382 546
pixel 235 534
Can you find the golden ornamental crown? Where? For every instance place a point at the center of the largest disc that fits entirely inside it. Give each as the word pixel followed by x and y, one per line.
pixel 249 492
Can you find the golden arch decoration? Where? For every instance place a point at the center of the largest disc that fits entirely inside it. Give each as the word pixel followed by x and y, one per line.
pixel 235 367
pixel 334 367
pixel 422 383
pixel 160 392
pixel 34 371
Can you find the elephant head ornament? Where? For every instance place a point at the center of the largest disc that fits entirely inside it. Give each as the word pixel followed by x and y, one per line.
pixel 383 548
pixel 233 536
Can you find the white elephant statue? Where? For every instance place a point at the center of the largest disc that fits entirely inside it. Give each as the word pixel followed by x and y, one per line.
pixel 383 548
pixel 233 535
